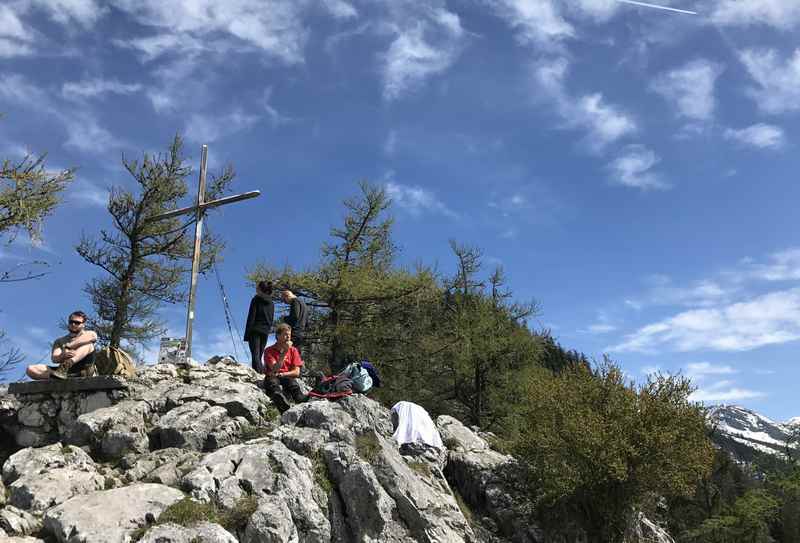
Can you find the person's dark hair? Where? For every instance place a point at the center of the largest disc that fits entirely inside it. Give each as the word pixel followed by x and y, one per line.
pixel 282 327
pixel 265 287
pixel 80 314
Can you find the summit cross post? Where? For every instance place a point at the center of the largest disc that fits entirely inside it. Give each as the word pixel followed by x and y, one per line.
pixel 199 211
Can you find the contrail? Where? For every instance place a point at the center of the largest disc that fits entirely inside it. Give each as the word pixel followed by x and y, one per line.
pixel 644 4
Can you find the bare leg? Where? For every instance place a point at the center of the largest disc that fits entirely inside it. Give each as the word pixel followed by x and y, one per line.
pixel 38 372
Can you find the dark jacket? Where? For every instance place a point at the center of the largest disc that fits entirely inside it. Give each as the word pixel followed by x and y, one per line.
pixel 259 317
pixel 297 317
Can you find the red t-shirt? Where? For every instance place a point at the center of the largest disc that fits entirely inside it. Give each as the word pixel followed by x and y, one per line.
pixel 272 354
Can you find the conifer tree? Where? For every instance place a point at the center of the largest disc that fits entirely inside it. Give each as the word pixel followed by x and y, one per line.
pixel 363 303
pixel 28 194
pixel 146 262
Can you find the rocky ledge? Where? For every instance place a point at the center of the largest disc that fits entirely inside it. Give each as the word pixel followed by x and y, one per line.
pixel 200 455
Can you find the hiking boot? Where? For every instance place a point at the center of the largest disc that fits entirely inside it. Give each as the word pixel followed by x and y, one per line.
pixel 62 371
pixel 59 373
pixel 280 402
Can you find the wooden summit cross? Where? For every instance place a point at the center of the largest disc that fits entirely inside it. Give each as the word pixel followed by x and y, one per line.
pixel 199 210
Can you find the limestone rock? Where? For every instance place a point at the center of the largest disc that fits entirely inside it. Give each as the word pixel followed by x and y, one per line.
pixel 108 515
pixel 165 466
pixel 114 431
pixel 38 492
pixel 263 469
pixel 32 461
pixel 489 482
pixel 203 532
pixel 16 522
pixel 188 426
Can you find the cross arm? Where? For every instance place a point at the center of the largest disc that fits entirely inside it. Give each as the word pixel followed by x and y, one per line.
pixel 206 205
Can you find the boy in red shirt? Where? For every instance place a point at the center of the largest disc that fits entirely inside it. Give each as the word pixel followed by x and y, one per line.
pixel 282 364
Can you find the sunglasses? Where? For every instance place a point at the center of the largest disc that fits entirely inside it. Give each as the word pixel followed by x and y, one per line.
pixel 75 322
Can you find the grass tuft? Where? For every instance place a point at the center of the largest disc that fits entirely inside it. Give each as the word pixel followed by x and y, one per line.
pixel 368 447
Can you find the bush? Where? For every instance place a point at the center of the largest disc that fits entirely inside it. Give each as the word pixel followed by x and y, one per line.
pixel 597 447
pixel 368 447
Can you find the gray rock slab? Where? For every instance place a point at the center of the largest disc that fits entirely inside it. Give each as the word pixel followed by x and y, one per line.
pixel 108 516
pixel 39 492
pixel 189 425
pixel 264 468
pixel 114 431
pixel 164 466
pixel 100 382
pixel 16 522
pixel 203 532
pixel 33 461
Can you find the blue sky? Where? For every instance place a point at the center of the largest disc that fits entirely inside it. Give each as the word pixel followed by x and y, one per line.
pixel 632 169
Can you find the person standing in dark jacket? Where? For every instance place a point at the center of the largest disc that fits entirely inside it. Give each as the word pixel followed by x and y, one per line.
pixel 259 323
pixel 297 318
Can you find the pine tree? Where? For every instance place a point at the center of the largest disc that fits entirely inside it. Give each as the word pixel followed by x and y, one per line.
pixel 146 261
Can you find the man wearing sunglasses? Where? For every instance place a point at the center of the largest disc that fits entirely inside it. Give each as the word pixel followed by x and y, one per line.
pixel 72 355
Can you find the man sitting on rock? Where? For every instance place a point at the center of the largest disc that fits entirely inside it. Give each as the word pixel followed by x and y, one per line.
pixel 282 364
pixel 73 353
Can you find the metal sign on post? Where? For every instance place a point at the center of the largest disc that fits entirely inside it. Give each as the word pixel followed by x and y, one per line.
pixel 199 209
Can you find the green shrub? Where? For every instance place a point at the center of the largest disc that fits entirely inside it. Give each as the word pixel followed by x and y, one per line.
pixel 421 467
pixel 599 447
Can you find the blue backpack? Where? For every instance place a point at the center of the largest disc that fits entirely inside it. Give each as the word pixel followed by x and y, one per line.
pixel 373 372
pixel 362 381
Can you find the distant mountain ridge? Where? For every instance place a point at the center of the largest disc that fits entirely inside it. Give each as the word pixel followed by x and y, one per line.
pixel 744 433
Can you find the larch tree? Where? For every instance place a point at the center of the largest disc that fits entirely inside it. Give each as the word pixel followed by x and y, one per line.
pixel 146 262
pixel 29 193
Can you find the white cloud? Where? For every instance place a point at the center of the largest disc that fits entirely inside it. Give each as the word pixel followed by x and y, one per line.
pixel 390 145
pixel 633 168
pixel 535 21
pixel 650 370
pixel 206 129
pixel 724 391
pixel 13 48
pixel 782 14
pixel 83 130
pixel 778 80
pixel 769 319
pixel 275 116
pixel 65 12
pixel 599 10
pixel 601 328
pixel 86 193
pixel 425 48
pixel 90 88
pixel 761 136
pixel 699 370
pixel 340 9
pixel 85 134
pixel 417 200
pixel 690 88
pixel 274 27
pixel 783 266
pixel 604 123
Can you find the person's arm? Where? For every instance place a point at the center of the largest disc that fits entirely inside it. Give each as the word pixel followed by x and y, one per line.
pixel 251 315
pixel 295 362
pixel 57 355
pixel 269 313
pixel 84 338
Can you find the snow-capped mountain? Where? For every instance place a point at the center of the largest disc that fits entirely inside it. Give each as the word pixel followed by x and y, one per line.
pixel 741 431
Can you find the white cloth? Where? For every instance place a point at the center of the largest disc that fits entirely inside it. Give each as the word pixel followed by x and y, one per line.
pixel 415 425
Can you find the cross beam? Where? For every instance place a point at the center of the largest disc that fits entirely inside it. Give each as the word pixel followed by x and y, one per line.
pixel 199 211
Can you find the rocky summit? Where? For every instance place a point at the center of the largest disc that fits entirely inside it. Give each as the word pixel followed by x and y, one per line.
pixel 199 454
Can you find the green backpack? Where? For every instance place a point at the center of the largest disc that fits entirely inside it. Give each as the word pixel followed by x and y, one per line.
pixel 114 361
